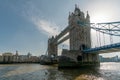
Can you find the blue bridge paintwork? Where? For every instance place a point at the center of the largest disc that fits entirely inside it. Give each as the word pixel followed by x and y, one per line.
pixel 105 47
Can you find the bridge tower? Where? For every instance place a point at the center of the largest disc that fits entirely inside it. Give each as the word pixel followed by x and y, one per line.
pixel 80 38
pixel 52 47
pixel 79 35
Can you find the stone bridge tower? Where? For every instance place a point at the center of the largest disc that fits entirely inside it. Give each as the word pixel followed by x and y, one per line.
pixel 52 46
pixel 79 33
pixel 80 38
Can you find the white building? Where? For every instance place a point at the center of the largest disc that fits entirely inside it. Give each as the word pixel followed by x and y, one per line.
pixel 7 57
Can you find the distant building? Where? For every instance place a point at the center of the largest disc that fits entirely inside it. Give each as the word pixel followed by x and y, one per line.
pixel 34 59
pixel 16 57
pixel 109 59
pixel 29 54
pixel 7 57
pixel 23 58
pixel 1 58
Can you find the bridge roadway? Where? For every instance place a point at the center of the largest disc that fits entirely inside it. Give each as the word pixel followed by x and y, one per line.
pixel 64 39
pixel 104 49
pixel 61 35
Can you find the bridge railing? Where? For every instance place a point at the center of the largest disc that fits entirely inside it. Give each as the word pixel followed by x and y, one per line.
pixel 105 47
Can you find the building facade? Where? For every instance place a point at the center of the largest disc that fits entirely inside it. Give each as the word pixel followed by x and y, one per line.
pixel 16 58
pixel 7 57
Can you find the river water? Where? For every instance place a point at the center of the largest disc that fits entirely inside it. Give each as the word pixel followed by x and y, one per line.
pixel 106 71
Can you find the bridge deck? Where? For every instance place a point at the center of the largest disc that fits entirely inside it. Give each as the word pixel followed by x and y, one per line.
pixel 104 49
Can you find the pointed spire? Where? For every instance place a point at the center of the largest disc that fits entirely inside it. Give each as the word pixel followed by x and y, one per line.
pixel 75 5
pixel 77 10
pixel 16 52
pixel 87 17
pixel 69 15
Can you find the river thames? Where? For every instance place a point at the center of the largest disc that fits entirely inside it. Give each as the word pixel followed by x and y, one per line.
pixel 107 71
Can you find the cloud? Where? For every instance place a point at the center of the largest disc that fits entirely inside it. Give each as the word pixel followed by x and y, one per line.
pixel 48 28
pixel 35 15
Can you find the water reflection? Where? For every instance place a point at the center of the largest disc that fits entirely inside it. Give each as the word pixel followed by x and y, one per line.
pixel 83 74
pixel 110 70
pixel 107 71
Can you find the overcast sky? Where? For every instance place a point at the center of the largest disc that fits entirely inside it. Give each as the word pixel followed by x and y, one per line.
pixel 26 25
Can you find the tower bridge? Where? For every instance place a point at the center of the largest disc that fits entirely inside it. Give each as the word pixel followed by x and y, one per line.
pixel 79 35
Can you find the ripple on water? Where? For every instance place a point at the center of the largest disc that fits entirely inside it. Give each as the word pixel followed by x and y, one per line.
pixel 40 72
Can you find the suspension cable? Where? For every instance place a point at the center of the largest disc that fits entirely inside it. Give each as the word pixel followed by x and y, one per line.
pixel 103 38
pixel 99 37
pixel 111 40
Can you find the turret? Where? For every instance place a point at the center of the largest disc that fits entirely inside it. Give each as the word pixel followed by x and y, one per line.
pixel 87 18
pixel 77 17
pixel 16 53
pixel 77 11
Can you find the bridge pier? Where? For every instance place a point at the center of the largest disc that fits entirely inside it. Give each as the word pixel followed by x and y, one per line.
pixel 75 58
pixel 90 57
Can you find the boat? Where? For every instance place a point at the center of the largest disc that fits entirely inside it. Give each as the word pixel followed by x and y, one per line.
pixel 45 60
pixel 48 60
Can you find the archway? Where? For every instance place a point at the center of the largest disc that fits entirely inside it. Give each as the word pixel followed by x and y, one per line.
pixel 79 58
